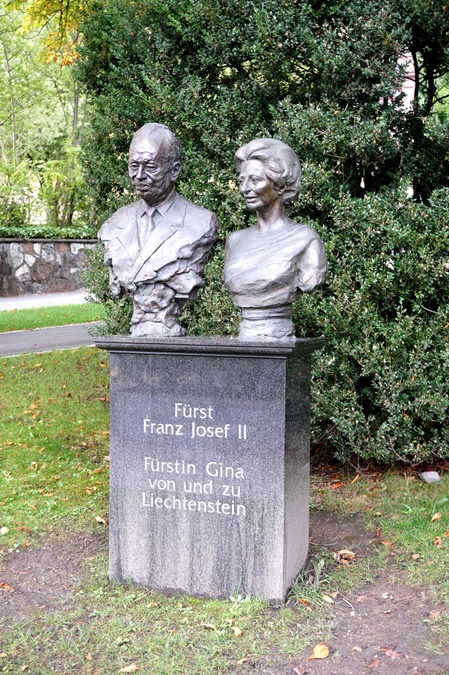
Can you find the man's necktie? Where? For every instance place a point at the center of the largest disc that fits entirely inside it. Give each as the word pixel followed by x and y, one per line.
pixel 146 226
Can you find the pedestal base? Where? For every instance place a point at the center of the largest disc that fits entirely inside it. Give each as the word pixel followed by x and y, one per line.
pixel 209 464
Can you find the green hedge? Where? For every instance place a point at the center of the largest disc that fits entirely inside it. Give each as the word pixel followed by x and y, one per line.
pixel 47 232
pixel 380 386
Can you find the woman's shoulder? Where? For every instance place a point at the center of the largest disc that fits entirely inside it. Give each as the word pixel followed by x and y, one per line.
pixel 303 230
pixel 239 235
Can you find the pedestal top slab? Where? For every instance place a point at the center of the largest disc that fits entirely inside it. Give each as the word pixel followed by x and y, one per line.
pixel 203 344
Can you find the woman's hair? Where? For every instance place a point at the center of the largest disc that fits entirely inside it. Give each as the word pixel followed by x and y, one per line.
pixel 280 163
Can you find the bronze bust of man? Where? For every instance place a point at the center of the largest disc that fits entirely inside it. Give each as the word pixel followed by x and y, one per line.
pixel 156 248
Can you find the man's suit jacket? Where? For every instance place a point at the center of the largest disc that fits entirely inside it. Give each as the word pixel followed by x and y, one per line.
pixel 175 253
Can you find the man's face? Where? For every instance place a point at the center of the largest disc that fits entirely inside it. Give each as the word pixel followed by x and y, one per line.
pixel 152 176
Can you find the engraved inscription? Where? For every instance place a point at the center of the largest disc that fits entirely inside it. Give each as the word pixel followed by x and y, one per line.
pixel 213 486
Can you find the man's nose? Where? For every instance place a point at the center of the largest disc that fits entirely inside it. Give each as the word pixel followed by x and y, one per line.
pixel 141 172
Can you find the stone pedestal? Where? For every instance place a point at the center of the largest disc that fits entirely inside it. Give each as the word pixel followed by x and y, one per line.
pixel 209 464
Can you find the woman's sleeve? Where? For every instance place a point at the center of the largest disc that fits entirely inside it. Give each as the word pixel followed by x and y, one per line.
pixel 313 266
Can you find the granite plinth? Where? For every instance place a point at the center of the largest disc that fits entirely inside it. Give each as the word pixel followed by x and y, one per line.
pixel 209 464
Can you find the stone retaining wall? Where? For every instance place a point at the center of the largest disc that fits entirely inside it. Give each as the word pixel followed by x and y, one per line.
pixel 42 265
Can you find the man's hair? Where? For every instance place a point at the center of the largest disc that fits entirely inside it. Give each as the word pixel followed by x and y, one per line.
pixel 172 150
pixel 280 162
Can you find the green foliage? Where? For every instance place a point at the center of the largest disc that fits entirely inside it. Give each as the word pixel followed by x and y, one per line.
pixel 325 78
pixel 12 216
pixel 380 389
pixel 47 232
pixel 42 117
pixel 117 312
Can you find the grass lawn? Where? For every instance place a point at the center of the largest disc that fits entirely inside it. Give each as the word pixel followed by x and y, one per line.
pixel 54 421
pixel 44 317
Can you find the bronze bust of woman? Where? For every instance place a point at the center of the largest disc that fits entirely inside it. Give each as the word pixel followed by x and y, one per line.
pixel 268 265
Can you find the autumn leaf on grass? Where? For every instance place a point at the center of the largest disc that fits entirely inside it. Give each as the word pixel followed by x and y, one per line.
pixel 438 542
pixel 209 626
pixel 320 651
pixel 436 516
pixel 100 520
pixel 237 631
pixel 129 669
pixel 6 587
pixel 4 530
pixel 345 556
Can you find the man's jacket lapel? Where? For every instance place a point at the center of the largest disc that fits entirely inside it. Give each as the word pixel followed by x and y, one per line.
pixel 166 228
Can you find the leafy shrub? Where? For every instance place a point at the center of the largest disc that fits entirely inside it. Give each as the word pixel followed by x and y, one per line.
pixel 117 312
pixel 47 232
pixel 380 386
pixel 12 215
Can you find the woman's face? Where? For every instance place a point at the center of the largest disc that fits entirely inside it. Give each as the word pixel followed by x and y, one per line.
pixel 256 188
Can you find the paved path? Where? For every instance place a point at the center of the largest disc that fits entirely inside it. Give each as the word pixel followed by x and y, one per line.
pixel 45 339
pixel 43 300
pixel 18 342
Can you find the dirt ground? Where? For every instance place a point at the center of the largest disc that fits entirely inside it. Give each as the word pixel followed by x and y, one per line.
pixel 380 627
pixel 44 575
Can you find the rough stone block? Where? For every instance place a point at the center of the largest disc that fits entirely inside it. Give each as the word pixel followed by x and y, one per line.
pixel 48 252
pixel 76 247
pixel 43 271
pixel 16 255
pixel 59 285
pixel 62 246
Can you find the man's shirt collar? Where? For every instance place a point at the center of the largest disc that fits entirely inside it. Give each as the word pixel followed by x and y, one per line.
pixel 162 208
